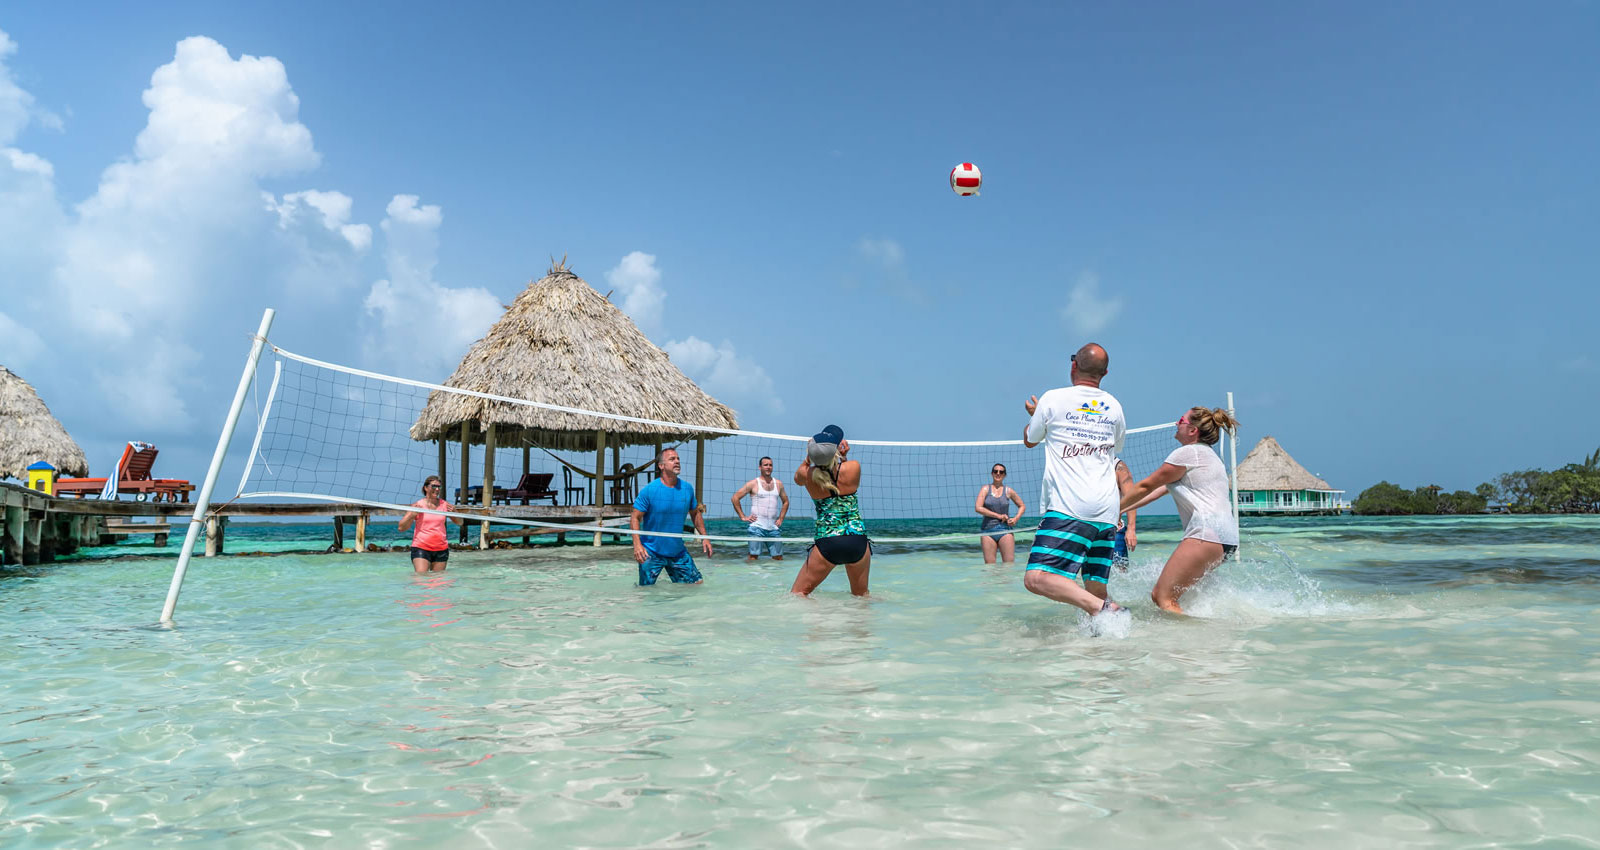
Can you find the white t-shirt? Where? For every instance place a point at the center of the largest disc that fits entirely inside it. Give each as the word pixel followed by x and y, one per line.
pixel 1202 495
pixel 1082 429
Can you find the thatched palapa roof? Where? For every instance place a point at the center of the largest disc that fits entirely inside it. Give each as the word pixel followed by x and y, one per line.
pixel 29 434
pixel 1269 467
pixel 560 342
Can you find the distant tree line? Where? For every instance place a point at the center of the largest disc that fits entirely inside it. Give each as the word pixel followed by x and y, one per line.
pixel 1572 489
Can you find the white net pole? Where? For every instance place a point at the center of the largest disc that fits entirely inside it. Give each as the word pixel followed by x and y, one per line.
pixel 202 503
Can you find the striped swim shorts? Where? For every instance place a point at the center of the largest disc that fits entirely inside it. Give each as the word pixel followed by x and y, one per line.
pixel 1067 546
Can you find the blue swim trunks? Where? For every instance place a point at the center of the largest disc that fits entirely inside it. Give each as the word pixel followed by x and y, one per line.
pixel 759 541
pixel 1068 546
pixel 1119 551
pixel 680 569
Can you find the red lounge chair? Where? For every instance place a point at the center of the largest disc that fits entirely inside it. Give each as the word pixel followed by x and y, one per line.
pixel 534 485
pixel 133 477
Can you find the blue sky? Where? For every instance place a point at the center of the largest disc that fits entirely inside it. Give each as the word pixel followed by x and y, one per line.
pixel 1374 223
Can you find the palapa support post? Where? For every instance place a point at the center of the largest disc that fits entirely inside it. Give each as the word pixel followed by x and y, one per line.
pixel 525 470
pixel 443 489
pixel 488 483
pixel 599 478
pixel 466 469
pixel 338 534
pixel 202 502
pixel 700 469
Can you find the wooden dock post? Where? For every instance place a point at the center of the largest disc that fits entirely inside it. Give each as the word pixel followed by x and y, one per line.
pixel 216 534
pixel 599 477
pixel 338 533
pixel 32 535
pixel 525 470
pixel 12 544
pixel 361 532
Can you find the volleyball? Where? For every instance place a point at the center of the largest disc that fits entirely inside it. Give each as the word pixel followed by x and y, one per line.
pixel 965 179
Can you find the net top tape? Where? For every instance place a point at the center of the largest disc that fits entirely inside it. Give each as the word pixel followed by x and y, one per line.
pixel 617 417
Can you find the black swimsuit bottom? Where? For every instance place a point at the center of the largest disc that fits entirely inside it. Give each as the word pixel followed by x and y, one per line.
pixel 843 549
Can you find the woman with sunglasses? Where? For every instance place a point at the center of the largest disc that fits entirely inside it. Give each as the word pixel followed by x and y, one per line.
pixel 994 505
pixel 1198 484
pixel 430 551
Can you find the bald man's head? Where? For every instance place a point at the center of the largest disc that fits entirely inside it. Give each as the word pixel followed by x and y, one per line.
pixel 1092 361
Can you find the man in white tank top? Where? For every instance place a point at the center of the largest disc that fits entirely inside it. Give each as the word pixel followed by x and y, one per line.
pixel 769 504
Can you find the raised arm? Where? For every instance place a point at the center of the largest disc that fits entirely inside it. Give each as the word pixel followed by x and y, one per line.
pixel 1152 488
pixel 802 476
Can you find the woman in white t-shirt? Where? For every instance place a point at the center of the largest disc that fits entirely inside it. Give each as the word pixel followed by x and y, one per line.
pixel 1198 482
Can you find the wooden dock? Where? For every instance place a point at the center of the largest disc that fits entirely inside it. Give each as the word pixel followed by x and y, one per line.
pixel 37 527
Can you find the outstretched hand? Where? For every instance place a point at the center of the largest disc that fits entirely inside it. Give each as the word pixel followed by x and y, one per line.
pixel 1031 404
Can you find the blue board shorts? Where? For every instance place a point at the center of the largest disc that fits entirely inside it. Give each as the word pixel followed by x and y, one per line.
pixel 1068 546
pixel 758 541
pixel 680 569
pixel 1119 549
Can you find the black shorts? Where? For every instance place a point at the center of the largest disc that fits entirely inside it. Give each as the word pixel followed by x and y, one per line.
pixel 430 555
pixel 843 549
pixel 1229 552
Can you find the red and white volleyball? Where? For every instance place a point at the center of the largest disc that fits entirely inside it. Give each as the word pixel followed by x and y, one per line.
pixel 965 179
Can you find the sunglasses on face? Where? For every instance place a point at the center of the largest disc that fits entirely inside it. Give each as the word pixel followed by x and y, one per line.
pixel 998 471
pixel 433 487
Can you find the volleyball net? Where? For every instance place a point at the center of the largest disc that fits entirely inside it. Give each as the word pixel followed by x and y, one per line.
pixel 332 433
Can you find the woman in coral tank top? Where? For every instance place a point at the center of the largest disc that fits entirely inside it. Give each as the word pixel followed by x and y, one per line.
pixel 430 551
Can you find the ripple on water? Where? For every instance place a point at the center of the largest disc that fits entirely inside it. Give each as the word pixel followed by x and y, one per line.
pixel 538 698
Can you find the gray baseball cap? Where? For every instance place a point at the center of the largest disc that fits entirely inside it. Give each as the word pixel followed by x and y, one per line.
pixel 821 454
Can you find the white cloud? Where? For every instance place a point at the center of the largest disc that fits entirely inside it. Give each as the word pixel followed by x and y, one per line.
pixel 720 371
pixel 19 344
pixel 422 327
pixel 639 280
pixel 16 105
pixel 1087 309
pixel 885 260
pixel 175 233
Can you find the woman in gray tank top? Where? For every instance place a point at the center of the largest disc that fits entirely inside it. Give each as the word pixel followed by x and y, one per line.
pixel 994 505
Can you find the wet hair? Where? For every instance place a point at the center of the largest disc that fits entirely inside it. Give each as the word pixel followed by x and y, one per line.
pixel 1211 423
pixel 429 480
pixel 763 457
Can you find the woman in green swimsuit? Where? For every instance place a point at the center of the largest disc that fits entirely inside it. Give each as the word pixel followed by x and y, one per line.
pixel 841 537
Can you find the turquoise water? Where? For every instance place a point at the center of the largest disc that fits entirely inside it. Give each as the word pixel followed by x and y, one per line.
pixel 1350 683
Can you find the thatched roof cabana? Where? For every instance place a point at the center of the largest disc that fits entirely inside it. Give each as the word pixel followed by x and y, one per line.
pixel 29 434
pixel 1269 467
pixel 560 342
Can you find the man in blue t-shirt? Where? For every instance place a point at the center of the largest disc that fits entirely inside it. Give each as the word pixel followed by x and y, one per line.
pixel 661 506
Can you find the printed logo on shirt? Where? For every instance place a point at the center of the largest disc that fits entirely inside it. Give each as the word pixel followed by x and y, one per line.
pixel 1094 407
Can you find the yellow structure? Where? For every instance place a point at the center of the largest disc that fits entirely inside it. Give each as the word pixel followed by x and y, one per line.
pixel 42 476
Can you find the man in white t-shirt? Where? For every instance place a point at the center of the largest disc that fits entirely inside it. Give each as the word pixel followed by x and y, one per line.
pixel 1081 427
pixel 769 504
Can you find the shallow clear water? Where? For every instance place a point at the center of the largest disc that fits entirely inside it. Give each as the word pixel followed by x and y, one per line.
pixel 1350 683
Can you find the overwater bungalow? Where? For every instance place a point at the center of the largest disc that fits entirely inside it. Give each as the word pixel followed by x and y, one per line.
pixel 1271 483
pixel 562 343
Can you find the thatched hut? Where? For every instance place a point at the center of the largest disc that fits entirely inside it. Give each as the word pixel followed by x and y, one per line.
pixel 1272 482
pixel 28 433
pixel 561 342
